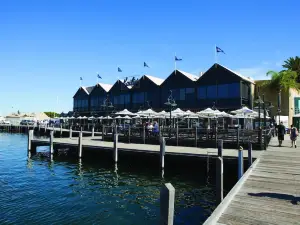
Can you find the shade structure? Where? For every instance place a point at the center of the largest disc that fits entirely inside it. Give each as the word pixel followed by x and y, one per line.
pixel 208 113
pixel 91 118
pixel 127 117
pixel 162 112
pixel 124 112
pixel 243 110
pixel 136 117
pixel 224 114
pixel 72 117
pixel 148 112
pixel 107 118
pixel 178 112
pixel 100 117
pixel 79 117
pixel 84 117
pixel 118 117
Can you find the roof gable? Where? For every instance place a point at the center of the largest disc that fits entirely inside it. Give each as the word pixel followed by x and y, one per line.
pixel 155 80
pixel 105 87
pixel 85 90
pixel 189 76
pixel 119 86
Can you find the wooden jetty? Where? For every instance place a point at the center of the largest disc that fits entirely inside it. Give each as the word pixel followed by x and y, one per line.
pixel 268 193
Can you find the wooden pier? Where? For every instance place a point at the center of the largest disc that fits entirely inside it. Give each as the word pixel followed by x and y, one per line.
pixel 268 193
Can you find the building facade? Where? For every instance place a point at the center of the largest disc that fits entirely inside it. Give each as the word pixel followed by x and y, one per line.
pixel 218 87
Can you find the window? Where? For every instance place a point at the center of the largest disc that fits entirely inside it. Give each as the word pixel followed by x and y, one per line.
pixel 182 94
pixel 126 98
pixel 189 90
pixel 201 92
pixel 223 91
pixel 212 91
pixel 234 90
pixel 138 98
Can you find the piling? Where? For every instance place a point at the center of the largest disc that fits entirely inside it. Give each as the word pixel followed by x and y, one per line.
pixel 162 152
pixel 93 131
pixel 61 131
pixel 129 134
pixel 80 144
pixel 167 200
pixel 219 180
pixel 45 128
pixel 238 138
pixel 250 154
pixel 196 136
pixel 144 134
pixel 177 133
pixel 116 148
pixel 220 148
pixel 70 132
pixel 51 142
pixel 240 163
pixel 30 137
pixel 102 132
pixel 39 128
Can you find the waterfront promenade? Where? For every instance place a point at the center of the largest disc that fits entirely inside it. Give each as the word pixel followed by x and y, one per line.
pixel 268 193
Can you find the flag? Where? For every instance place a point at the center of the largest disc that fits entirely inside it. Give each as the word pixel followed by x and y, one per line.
pixel 177 59
pixel 145 65
pixel 80 78
pixel 99 76
pixel 219 50
pixel 119 69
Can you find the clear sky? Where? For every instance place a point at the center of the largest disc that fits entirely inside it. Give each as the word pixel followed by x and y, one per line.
pixel 45 46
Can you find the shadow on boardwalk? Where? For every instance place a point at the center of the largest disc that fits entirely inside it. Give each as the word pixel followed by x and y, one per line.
pixel 294 200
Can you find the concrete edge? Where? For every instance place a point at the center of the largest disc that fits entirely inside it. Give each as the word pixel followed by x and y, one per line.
pixel 214 217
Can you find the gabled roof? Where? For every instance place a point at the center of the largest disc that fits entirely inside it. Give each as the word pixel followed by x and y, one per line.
pixel 128 86
pixel 156 80
pixel 189 75
pixel 106 87
pixel 236 73
pixel 88 90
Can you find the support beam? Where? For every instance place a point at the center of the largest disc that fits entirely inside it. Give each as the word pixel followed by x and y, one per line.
pixel 167 200
pixel 80 144
pixel 162 152
pixel 116 148
pixel 219 180
pixel 30 138
pixel 240 163
pixel 51 142
pixel 220 148
pixel 93 131
pixel 250 154
pixel 70 132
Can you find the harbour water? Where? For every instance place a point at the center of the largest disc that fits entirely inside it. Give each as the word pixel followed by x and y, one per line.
pixel 37 190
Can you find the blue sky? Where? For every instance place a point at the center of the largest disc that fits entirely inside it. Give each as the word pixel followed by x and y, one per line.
pixel 46 47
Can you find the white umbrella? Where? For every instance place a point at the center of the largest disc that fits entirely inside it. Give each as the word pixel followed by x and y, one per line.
pixel 136 117
pixel 124 112
pixel 72 117
pixel 243 110
pixel 107 118
pixel 208 113
pixel 127 117
pixel 223 114
pixel 90 118
pixel 100 117
pixel 79 117
pixel 84 117
pixel 118 117
pixel 148 112
pixel 162 112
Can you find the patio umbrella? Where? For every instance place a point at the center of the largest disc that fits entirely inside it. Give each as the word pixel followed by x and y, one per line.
pixel 127 117
pixel 208 113
pixel 84 117
pixel 72 117
pixel 243 110
pixel 79 117
pixel 136 117
pixel 124 112
pixel 107 118
pixel 118 117
pixel 148 112
pixel 91 118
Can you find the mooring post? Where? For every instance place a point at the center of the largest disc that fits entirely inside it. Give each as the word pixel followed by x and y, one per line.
pixel 102 132
pixel 30 137
pixel 220 148
pixel 93 131
pixel 129 134
pixel 238 138
pixel 80 144
pixel 219 179
pixel 162 152
pixel 177 134
pixel 240 163
pixel 51 142
pixel 196 136
pixel 116 148
pixel 144 134
pixel 81 128
pixel 70 132
pixel 167 201
pixel 249 154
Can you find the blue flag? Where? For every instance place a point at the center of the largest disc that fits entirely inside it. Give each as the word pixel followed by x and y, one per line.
pixel 99 76
pixel 177 59
pixel 119 69
pixel 145 65
pixel 80 78
pixel 219 50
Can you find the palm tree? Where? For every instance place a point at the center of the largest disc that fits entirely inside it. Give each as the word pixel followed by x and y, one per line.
pixel 283 80
pixel 293 64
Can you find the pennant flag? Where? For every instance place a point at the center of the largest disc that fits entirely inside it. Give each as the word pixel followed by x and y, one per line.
pixel 177 59
pixel 219 50
pixel 145 65
pixel 119 69
pixel 80 78
pixel 99 76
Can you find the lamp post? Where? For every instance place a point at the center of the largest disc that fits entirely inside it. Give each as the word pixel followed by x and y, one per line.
pixel 107 105
pixel 171 103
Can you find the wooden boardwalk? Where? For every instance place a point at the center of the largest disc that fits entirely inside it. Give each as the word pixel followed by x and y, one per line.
pixel 97 143
pixel 269 193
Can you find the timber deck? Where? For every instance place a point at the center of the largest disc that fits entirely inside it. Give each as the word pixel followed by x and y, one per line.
pixel 268 193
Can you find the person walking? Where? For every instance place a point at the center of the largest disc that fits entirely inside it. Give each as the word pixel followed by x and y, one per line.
pixel 281 133
pixel 293 135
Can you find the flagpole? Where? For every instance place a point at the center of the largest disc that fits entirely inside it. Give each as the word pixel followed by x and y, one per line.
pixel 216 56
pixel 175 62
pixel 80 82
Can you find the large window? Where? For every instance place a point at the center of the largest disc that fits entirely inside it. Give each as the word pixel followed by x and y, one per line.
pixel 223 91
pixel 139 98
pixel 182 93
pixel 201 92
pixel 121 99
pixel 234 90
pixel 212 91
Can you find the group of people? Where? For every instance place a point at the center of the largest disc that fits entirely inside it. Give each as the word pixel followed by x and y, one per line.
pixel 152 127
pixel 281 130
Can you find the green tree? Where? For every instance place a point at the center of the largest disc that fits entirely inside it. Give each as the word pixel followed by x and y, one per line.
pixel 293 64
pixel 284 80
pixel 52 114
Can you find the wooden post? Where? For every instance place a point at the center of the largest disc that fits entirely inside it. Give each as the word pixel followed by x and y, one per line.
pixel 167 200
pixel 220 148
pixel 93 131
pixel 129 134
pixel 70 132
pixel 51 142
pixel 116 148
pixel 80 144
pixel 162 152
pixel 30 137
pixel 102 132
pixel 144 134
pixel 219 179
pixel 61 130
pixel 177 133
pixel 196 137
pixel 240 163
pixel 249 154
